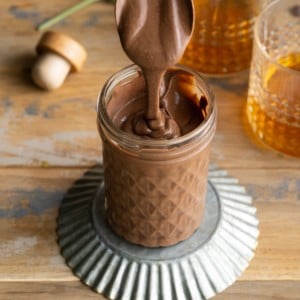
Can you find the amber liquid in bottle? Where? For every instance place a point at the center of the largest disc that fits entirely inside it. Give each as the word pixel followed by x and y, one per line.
pixel 275 118
pixel 222 37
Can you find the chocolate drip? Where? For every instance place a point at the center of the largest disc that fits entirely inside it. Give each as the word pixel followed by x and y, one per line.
pixel 154 34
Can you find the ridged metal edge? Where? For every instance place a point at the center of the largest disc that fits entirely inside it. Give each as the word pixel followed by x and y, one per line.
pixel 200 275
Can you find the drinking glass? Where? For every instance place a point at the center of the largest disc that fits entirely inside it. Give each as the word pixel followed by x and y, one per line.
pixel 273 104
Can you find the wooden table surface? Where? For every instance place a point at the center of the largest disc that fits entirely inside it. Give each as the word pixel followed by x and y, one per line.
pixel 48 139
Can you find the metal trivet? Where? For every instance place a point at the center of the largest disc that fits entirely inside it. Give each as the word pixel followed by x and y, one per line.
pixel 197 268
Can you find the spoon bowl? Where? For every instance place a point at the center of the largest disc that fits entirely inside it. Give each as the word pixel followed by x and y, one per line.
pixel 154 33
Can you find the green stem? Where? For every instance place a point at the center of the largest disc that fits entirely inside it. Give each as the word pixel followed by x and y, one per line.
pixel 65 13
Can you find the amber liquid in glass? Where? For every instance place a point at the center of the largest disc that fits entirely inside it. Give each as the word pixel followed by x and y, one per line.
pixel 222 37
pixel 275 118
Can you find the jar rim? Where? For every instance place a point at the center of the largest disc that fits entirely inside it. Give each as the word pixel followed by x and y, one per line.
pixel 133 141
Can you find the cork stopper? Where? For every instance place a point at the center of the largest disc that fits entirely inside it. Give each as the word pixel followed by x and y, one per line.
pixel 59 55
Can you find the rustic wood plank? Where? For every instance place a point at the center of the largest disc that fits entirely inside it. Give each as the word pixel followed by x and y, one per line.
pixel 30 199
pixel 28 210
pixel 241 290
pixel 261 290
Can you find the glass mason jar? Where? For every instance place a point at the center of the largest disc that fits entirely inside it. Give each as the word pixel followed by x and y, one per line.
pixel 155 189
pixel 222 38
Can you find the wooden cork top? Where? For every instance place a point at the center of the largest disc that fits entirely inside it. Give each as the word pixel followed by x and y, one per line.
pixel 64 46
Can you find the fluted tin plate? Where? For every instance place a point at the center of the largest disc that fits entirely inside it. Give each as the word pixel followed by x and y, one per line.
pixel 197 268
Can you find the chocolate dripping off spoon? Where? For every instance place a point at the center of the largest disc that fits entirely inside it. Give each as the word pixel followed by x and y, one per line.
pixel 154 35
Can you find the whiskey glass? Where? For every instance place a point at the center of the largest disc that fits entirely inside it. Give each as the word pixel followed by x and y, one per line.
pixel 273 104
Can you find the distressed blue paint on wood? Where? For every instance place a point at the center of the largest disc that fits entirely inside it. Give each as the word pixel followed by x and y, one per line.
pixel 6 104
pixel 92 20
pixel 37 202
pixel 32 109
pixel 49 112
pixel 24 14
pixel 268 192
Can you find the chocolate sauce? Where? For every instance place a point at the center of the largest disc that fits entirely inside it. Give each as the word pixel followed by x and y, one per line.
pixel 154 35
pixel 180 100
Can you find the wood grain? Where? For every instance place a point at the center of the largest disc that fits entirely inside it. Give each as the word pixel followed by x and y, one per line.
pixel 258 290
pixel 47 140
